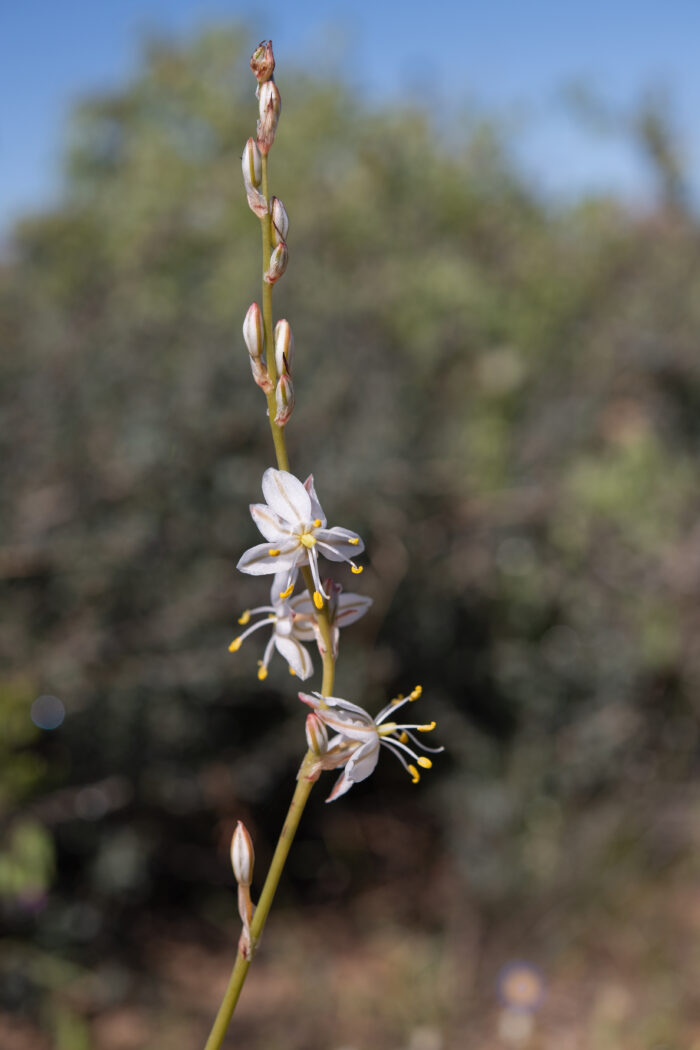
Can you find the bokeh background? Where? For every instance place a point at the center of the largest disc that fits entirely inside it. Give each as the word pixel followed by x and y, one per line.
pixel 494 285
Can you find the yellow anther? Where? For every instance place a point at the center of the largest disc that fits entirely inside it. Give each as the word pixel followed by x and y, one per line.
pixel 427 728
pixel 404 737
pixel 397 699
pixel 273 552
pixel 355 540
pixel 317 523
pixel 318 599
pixel 262 671
pixel 357 569
pixel 244 618
pixel 415 775
pixel 415 693
pixel 292 671
pixel 285 594
pixel 424 762
pixel 308 540
pixel 235 645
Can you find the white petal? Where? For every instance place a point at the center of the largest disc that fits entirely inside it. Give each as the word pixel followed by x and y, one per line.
pixel 286 496
pixel 350 608
pixel 342 785
pixel 362 762
pixel 258 561
pixel 270 524
pixel 334 544
pixel 296 656
pixel 316 510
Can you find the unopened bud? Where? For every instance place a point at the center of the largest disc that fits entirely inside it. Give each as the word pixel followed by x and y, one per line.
pixel 284 399
pixel 316 735
pixel 263 61
pixel 251 163
pixel 270 104
pixel 284 347
pixel 261 374
pixel 280 220
pixel 278 263
pixel 242 855
pixel 253 331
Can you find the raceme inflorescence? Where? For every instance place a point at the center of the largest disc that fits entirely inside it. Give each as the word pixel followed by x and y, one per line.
pixel 306 606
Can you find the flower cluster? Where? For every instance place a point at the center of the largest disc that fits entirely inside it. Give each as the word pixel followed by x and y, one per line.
pixel 292 521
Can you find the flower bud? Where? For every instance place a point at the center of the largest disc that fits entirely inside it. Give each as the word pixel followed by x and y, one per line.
pixel 262 61
pixel 260 373
pixel 270 104
pixel 316 735
pixel 278 263
pixel 284 399
pixel 284 347
pixel 253 331
pixel 242 855
pixel 251 163
pixel 280 220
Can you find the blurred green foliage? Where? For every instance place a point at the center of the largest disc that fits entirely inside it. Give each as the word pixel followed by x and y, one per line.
pixel 502 396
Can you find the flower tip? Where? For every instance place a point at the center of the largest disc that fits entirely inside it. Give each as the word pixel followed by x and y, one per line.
pixel 235 644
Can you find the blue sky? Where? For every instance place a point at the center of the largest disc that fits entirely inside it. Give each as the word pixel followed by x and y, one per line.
pixel 514 57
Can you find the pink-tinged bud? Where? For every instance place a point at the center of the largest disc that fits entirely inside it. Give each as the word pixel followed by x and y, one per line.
pixel 278 263
pixel 263 61
pixel 280 220
pixel 284 399
pixel 270 104
pixel 316 735
pixel 253 331
pixel 260 374
pixel 242 855
pixel 251 163
pixel 284 347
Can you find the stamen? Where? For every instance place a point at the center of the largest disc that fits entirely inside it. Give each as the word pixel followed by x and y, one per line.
pixel 318 600
pixel 308 540
pixel 357 569
pixel 426 729
pixel 397 700
pixel 403 737
pixel 415 775
pixel 285 594
pixel 292 671
pixel 235 645
pixel 262 671
pixel 317 523
pixel 415 693
pixel 355 540
pixel 273 552
pixel 244 618
pixel 424 762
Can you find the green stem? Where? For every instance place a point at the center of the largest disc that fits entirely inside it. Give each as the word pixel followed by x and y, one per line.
pixel 242 964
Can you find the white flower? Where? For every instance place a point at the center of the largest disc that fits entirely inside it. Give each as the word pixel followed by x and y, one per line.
pixel 285 637
pixel 359 738
pixel 294 526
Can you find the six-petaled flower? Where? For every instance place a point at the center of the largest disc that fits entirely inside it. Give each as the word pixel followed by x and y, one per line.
pixel 294 526
pixel 359 737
